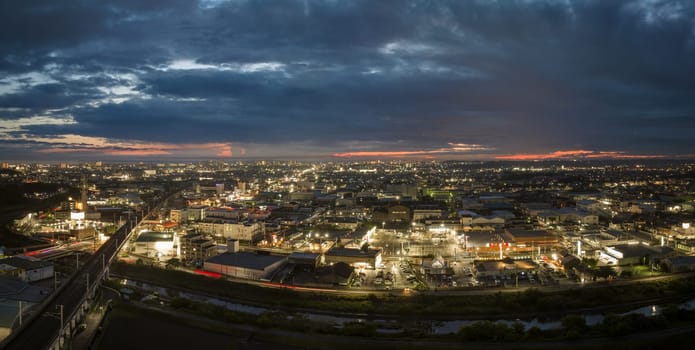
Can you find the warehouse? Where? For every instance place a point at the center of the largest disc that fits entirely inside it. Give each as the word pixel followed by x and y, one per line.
pixel 249 265
pixel 26 268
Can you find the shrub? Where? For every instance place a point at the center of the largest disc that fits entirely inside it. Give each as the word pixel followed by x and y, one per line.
pixel 180 303
pixel 359 329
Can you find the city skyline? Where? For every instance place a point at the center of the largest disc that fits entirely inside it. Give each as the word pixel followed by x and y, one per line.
pixel 215 79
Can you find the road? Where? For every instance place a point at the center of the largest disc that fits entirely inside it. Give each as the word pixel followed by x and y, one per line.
pixel 83 339
pixel 56 252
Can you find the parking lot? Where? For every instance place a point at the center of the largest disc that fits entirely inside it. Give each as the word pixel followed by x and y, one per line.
pixel 400 274
pixel 393 274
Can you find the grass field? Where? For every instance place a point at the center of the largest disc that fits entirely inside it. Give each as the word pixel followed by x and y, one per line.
pixel 131 327
pixel 134 327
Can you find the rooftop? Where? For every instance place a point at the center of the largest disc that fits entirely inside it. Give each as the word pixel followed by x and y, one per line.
pixel 529 233
pixel 635 250
pixel 304 256
pixel 14 289
pixel 25 263
pixel 150 236
pixel 246 260
pixel 682 260
pixel 372 253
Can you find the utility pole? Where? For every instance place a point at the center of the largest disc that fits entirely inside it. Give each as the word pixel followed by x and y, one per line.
pixel 103 267
pixel 55 315
pixel 60 306
pixel 20 313
pixel 86 275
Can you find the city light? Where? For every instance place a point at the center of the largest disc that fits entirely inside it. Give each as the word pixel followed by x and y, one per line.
pixel 236 163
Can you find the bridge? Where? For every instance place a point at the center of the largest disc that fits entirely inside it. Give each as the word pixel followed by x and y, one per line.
pixel 54 320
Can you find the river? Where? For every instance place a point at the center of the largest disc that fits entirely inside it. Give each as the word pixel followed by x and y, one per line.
pixel 393 326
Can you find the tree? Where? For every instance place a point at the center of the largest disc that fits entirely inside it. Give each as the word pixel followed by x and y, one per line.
pixel 518 329
pixel 604 272
pixel 180 303
pixel 173 263
pixel 573 323
pixel 590 262
pixel 491 331
pixel 534 333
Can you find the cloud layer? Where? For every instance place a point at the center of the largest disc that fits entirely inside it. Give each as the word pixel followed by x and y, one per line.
pixel 365 79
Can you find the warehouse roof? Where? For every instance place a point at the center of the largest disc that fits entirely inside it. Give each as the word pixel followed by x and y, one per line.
pixel 25 263
pixel 371 253
pixel 246 260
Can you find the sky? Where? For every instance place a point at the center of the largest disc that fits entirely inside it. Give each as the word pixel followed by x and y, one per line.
pixel 337 79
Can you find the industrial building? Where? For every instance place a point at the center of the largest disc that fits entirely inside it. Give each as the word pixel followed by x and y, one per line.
pixel 26 268
pixel 196 248
pixel 154 244
pixel 309 260
pixel 633 254
pixel 364 258
pixel 528 238
pixel 249 265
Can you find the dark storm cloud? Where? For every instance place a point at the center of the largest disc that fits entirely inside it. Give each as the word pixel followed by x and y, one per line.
pixel 530 76
pixel 52 95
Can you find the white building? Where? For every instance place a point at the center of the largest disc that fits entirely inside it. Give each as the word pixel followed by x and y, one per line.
pixel 26 268
pixel 154 244
pixel 231 229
